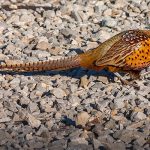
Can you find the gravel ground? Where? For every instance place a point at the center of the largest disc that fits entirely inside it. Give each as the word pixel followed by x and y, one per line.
pixel 77 109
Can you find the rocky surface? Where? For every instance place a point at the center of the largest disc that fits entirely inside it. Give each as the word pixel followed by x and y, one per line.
pixel 75 109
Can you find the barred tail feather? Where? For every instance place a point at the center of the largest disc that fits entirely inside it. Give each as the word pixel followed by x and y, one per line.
pixel 59 64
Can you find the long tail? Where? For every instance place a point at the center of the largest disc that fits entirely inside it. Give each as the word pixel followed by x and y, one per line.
pixel 86 60
pixel 59 64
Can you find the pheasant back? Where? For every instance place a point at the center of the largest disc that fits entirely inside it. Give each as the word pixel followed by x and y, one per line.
pixel 130 52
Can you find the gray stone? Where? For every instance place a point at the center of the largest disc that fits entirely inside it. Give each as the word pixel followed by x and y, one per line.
pixel 108 145
pixel 5 119
pixel 103 104
pixel 137 1
pixel 33 122
pixel 3 57
pixel 79 140
pixel 111 124
pixel 119 103
pixel 43 45
pixel 27 18
pixel 138 116
pixel 72 146
pixel 3 147
pixel 76 16
pixel 59 93
pixel 66 32
pixel 58 144
pixel 15 82
pixel 100 131
pixel 74 100
pixel 110 22
pixel 120 3
pixel 35 94
pixel 4 137
pixel 58 115
pixel 82 118
pixel 40 54
pixel 103 79
pixel 140 141
pixel 100 7
pixel 33 107
pixel 49 14
pixel 148 17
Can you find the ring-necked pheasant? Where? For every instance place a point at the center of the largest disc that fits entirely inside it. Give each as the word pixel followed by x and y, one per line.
pixel 128 51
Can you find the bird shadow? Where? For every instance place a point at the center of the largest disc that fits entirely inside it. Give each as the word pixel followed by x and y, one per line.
pixel 73 73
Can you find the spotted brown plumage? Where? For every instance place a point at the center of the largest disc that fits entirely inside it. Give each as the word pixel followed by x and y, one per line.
pixel 128 51
pixel 140 57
